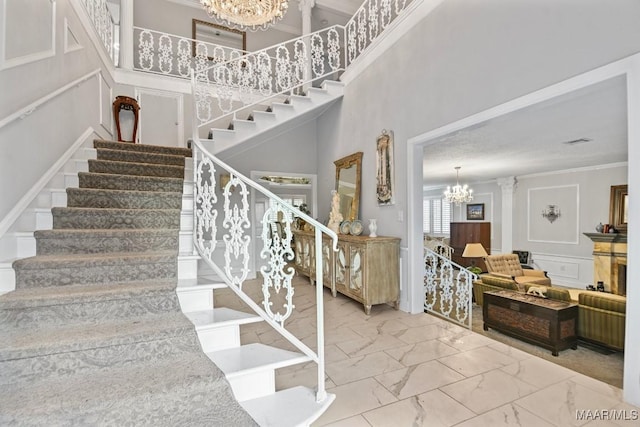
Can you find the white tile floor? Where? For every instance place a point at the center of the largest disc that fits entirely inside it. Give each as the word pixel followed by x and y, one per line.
pixel 397 369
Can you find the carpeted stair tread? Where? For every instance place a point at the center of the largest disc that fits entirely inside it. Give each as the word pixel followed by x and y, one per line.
pixel 140 157
pixel 31 308
pixel 113 218
pixel 69 241
pixel 113 145
pixel 123 199
pixel 46 297
pixel 158 395
pixel 129 182
pixel 96 269
pixel 81 260
pixel 136 169
pixel 18 343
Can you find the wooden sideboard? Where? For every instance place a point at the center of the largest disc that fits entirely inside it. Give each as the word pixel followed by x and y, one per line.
pixel 469 232
pixel 366 269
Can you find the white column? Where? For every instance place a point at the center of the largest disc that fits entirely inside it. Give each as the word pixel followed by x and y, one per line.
pixel 126 34
pixel 507 185
pixel 305 7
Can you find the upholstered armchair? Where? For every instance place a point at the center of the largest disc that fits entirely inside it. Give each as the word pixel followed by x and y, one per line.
pixel 508 265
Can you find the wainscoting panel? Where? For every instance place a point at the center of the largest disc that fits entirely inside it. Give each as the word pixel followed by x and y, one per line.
pixel 71 43
pixel 565 270
pixel 19 46
pixel 106 110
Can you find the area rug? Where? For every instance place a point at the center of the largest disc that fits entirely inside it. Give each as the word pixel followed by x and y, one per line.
pixel 594 361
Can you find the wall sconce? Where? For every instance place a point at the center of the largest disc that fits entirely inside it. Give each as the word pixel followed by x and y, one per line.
pixel 551 213
pixel 224 180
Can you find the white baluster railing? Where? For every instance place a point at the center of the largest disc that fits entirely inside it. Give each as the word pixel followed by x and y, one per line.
pixel 172 55
pixel 103 24
pixel 223 215
pixel 447 288
pixel 369 21
pixel 246 81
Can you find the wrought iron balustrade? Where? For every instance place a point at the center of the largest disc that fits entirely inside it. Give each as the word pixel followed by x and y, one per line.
pixel 447 288
pixel 222 227
pixel 103 24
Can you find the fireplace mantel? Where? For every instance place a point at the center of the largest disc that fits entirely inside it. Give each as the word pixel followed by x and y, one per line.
pixel 610 260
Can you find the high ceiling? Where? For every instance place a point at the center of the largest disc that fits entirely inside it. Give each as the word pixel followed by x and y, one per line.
pixel 534 139
pixel 325 13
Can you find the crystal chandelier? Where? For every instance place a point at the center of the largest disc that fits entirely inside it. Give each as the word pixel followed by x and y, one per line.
pixel 247 14
pixel 460 193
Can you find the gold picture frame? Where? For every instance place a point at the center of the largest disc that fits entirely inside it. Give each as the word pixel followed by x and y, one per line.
pixel 618 207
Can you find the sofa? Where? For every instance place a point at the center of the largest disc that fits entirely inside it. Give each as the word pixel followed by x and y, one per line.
pixel 491 282
pixel 508 266
pixel 601 316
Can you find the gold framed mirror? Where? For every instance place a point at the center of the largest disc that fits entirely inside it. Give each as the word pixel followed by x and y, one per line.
pixel 618 207
pixel 209 32
pixel 348 179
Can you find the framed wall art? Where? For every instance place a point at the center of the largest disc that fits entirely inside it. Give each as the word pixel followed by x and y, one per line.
pixel 384 167
pixel 475 212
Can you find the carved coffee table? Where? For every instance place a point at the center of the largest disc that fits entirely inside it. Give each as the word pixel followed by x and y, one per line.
pixel 545 322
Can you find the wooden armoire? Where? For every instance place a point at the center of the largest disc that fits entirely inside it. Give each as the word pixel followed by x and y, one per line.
pixel 469 232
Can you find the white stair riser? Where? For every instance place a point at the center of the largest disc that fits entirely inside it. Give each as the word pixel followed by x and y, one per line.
pixel 76 165
pixel 7 279
pixel 195 300
pixel 25 245
pixel 71 180
pixel 187 267
pixel 187 187
pixel 185 242
pixel 219 338
pixel 187 203
pixel 186 221
pixel 44 219
pixel 253 385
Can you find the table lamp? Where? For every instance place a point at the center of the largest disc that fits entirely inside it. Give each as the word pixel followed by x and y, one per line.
pixel 474 250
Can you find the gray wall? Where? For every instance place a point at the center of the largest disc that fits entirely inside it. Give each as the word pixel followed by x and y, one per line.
pixel 30 146
pixel 464 58
pixel 176 19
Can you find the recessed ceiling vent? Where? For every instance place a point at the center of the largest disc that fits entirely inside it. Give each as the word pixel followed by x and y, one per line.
pixel 578 141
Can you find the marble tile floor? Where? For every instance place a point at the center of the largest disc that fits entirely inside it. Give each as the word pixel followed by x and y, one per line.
pixel 397 369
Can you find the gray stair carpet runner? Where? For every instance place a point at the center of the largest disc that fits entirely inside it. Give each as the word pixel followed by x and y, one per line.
pixel 93 333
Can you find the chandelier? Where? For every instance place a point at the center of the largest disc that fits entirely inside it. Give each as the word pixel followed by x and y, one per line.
pixel 459 193
pixel 247 14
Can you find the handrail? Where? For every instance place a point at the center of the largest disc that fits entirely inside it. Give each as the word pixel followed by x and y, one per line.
pixel 188 38
pixel 249 80
pixel 276 248
pixel 26 111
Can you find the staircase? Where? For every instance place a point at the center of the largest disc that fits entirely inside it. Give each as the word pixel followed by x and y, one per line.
pixel 262 124
pixel 101 330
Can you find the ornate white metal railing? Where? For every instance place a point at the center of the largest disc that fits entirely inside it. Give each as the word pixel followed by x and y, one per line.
pixel 104 24
pixel 223 215
pixel 242 82
pixel 168 54
pixel 369 21
pixel 447 288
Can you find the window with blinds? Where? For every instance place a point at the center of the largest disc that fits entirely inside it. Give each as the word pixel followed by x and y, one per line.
pixel 436 216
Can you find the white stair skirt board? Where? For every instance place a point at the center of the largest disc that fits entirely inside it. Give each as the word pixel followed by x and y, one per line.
pixel 250 368
pixel 219 328
pixel 186 220
pixel 185 242
pixel 295 406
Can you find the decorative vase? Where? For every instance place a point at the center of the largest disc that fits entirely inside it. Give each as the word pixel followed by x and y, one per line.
pixel 600 228
pixel 373 227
